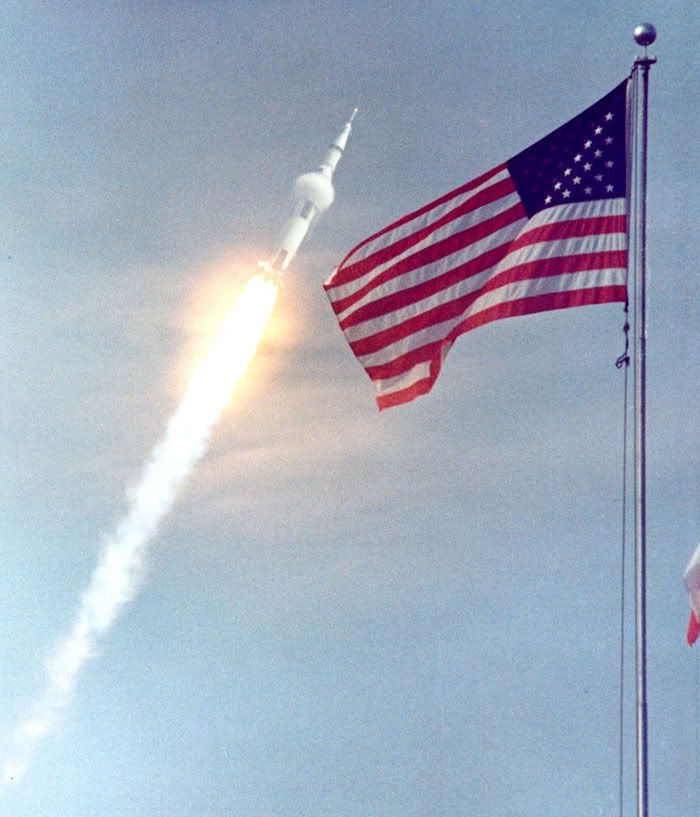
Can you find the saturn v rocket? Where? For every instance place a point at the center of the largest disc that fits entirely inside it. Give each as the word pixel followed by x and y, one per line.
pixel 313 193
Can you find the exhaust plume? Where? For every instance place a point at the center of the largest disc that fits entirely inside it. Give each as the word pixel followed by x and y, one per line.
pixel 120 567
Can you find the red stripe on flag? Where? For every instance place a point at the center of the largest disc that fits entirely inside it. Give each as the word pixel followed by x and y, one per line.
pixel 404 363
pixel 396 398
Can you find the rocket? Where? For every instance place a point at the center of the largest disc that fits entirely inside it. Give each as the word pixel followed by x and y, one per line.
pixel 313 193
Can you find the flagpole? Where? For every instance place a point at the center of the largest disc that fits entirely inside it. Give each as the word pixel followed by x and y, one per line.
pixel 644 34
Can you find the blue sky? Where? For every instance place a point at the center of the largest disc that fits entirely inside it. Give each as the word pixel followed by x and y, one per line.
pixel 347 613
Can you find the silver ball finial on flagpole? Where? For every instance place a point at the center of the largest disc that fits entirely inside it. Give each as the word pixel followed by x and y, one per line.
pixel 645 34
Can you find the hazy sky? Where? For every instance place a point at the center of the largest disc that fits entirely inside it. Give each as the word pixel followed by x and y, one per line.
pixel 407 614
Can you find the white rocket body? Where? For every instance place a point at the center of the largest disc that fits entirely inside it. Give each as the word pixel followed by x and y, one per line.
pixel 314 193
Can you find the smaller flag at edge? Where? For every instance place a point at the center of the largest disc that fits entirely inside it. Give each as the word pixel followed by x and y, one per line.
pixel 691 580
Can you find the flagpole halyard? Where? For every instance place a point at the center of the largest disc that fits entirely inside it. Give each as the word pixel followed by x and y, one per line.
pixel 644 35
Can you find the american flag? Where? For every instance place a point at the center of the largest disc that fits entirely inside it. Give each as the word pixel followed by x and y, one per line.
pixel 545 230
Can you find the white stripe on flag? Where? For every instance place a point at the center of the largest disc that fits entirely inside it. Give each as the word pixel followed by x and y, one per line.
pixel 402 381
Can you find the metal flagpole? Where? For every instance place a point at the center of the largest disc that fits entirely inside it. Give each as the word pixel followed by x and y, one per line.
pixel 644 34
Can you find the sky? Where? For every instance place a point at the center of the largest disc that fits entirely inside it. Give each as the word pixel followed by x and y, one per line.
pixel 346 613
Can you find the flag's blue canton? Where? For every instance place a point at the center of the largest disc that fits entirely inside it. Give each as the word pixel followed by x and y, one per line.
pixel 580 161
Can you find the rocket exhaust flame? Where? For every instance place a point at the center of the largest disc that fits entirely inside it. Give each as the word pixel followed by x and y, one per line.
pixel 120 566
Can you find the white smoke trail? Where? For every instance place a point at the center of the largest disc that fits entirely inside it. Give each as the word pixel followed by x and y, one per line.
pixel 120 566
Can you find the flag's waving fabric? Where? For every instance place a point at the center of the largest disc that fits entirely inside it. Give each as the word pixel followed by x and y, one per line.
pixel 545 230
pixel 692 585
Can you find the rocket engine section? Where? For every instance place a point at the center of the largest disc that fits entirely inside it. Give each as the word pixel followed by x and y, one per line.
pixel 314 193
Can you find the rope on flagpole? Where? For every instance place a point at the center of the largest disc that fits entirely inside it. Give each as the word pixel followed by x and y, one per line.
pixel 623 361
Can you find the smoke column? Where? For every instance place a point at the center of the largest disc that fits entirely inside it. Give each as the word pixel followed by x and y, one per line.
pixel 120 566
